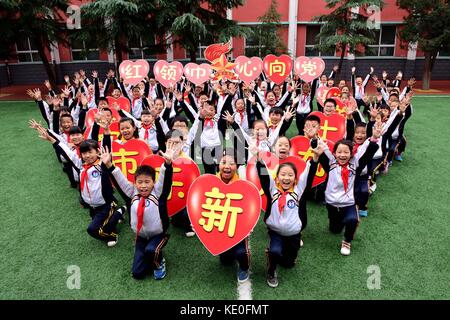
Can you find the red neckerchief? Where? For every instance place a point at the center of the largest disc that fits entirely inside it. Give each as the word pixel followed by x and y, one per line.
pixel 134 99
pixel 84 176
pixel 355 148
pixel 282 198
pixel 241 114
pixel 345 173
pixel 304 98
pixel 67 137
pixel 147 128
pixel 208 121
pixel 140 215
pixel 360 89
pixel 89 98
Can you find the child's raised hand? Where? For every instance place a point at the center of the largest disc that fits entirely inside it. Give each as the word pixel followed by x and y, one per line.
pixel 66 79
pixel 82 73
pixel 399 75
pixel 84 100
pixel 33 124
pixel 48 85
pixel 188 87
pixel 37 94
pixel 30 93
pixel 371 70
pixel 94 74
pixel 178 95
pixel 169 155
pixel 373 112
pixel 289 113
pixel 232 90
pixel 105 157
pixel 377 130
pixel 228 117
pixel 335 68
pixel 353 69
pixel 384 74
pixel 318 150
pixel 411 82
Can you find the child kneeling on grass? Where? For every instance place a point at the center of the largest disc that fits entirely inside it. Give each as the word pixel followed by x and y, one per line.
pixel 149 218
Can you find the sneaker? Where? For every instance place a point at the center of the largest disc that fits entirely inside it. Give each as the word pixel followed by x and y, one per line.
pixel 398 157
pixel 190 234
pixel 345 248
pixel 363 213
pixel 243 275
pixel 301 243
pixel 390 163
pixel 272 280
pixel 160 273
pixel 372 188
pixel 112 243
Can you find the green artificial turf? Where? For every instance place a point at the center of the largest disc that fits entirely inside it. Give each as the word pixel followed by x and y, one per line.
pixel 407 233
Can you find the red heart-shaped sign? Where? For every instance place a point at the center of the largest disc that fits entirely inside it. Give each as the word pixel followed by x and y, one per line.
pixel 340 106
pixel 133 72
pixel 114 131
pixel 123 103
pixel 300 146
pixel 309 68
pixel 168 74
pixel 331 127
pixel 222 215
pixel 90 116
pixel 333 93
pixel 196 73
pixel 277 68
pixel 248 69
pixel 129 155
pixel 321 95
pixel 185 171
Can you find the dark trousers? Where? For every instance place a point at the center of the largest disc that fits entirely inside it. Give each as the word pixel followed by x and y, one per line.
pixel 239 252
pixel 67 168
pixel 374 166
pixel 401 145
pixel 148 255
pixel 300 122
pixel 392 146
pixel 319 107
pixel 104 222
pixel 365 109
pixel 209 159
pixel 282 250
pixel 362 191
pixel 181 220
pixel 343 217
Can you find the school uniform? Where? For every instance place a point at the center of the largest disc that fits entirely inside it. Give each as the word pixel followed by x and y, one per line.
pixel 360 90
pixel 97 194
pixel 339 192
pixel 284 215
pixel 149 219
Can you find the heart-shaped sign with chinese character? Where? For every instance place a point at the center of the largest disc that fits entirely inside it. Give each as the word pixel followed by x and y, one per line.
pixel 309 68
pixel 133 72
pixel 114 132
pixel 340 106
pixel 123 103
pixel 90 116
pixel 185 171
pixel 168 74
pixel 331 127
pixel 321 95
pixel 197 73
pixel 129 155
pixel 248 69
pixel 277 68
pixel 333 93
pixel 222 215
pixel 300 146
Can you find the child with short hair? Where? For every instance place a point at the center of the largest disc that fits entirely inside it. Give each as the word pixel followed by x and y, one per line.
pixel 283 215
pixel 148 214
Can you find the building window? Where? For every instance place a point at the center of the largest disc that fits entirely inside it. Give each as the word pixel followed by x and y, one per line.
pixel 385 42
pixel 26 50
pixel 200 54
pixel 253 45
pixel 80 51
pixel 138 48
pixel 444 53
pixel 310 51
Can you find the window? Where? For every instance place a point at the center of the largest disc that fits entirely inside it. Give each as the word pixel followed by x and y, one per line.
pixel 310 51
pixel 252 44
pixel 27 50
pixel 138 49
pixel 200 54
pixel 80 51
pixel 385 42
pixel 444 53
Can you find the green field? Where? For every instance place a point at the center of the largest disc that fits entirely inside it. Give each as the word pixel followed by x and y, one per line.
pixel 407 233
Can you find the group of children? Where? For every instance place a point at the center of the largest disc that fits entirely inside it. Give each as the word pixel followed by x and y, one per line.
pixel 224 124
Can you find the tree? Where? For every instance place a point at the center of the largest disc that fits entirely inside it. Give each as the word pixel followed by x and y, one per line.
pixel 427 25
pixel 111 23
pixel 37 20
pixel 266 35
pixel 192 22
pixel 345 30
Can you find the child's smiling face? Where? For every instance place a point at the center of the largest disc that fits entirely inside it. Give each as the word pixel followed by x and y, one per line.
pixel 360 135
pixel 260 131
pixel 227 168
pixel 90 156
pixel 66 123
pixel 286 177
pixel 76 138
pixel 144 184
pixel 282 148
pixel 343 154
pixel 126 130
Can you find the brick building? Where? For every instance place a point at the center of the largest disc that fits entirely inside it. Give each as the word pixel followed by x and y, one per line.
pixel 297 29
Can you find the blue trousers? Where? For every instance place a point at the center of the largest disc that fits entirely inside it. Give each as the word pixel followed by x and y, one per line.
pixel 361 191
pixel 239 252
pixel 343 217
pixel 282 250
pixel 148 255
pixel 104 222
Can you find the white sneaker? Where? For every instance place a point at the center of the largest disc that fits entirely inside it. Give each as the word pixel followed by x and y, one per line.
pixel 373 188
pixel 345 248
pixel 111 243
pixel 301 243
pixel 190 234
